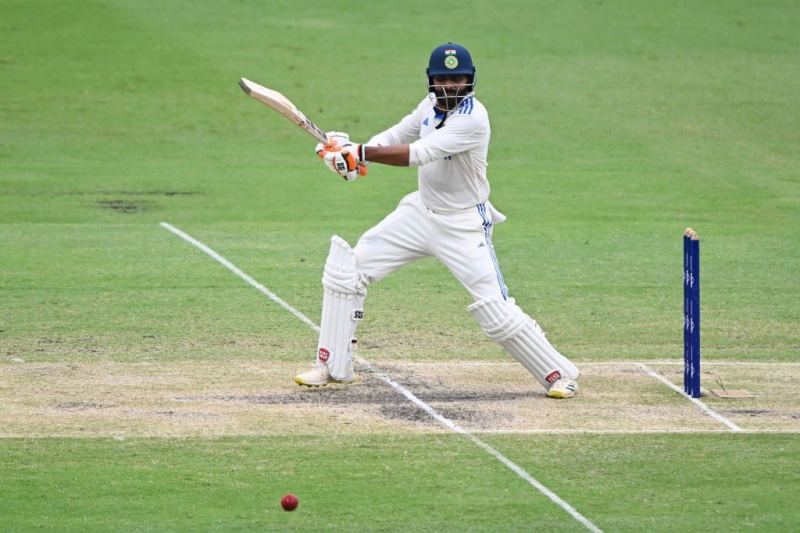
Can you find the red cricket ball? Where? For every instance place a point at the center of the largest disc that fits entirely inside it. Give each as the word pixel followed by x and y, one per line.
pixel 289 502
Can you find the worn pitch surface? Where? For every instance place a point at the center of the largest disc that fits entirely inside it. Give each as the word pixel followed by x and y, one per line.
pixel 177 399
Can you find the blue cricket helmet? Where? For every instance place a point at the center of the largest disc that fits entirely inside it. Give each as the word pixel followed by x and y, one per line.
pixel 449 59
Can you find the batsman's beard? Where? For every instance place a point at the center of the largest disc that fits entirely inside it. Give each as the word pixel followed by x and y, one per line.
pixel 448 98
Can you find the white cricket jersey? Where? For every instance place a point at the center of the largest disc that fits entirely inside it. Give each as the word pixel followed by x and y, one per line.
pixel 451 160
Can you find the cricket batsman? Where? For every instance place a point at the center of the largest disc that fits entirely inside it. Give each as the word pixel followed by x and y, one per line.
pixel 449 217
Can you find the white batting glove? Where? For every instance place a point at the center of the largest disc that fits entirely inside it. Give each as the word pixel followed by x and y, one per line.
pixel 337 139
pixel 344 159
pixel 343 162
pixel 328 155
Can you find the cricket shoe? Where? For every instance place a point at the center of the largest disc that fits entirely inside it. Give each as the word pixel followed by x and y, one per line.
pixel 319 376
pixel 563 388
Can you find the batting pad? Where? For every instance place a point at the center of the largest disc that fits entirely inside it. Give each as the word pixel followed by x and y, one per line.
pixel 344 291
pixel 505 323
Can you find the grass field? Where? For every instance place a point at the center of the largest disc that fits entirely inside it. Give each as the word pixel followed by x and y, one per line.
pixel 144 386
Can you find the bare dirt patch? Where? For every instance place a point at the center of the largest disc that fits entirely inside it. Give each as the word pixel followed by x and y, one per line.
pixel 257 397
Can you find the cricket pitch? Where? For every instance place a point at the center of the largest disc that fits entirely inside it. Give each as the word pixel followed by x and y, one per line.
pixel 256 397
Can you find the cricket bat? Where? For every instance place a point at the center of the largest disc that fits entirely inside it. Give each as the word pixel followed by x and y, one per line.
pixel 285 107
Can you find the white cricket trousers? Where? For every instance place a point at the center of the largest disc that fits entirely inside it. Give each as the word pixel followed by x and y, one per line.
pixel 459 239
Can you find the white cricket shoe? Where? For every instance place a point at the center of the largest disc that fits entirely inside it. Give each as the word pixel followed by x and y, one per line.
pixel 319 376
pixel 563 388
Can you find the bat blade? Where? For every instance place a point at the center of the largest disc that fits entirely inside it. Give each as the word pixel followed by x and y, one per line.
pixel 284 106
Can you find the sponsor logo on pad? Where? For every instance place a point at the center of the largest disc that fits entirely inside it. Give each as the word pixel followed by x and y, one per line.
pixel 553 376
pixel 323 354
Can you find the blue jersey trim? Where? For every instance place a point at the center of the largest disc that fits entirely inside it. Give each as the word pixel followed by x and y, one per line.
pixel 487 231
pixel 466 106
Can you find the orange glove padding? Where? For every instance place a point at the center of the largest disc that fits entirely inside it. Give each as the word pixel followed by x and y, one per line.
pixel 342 157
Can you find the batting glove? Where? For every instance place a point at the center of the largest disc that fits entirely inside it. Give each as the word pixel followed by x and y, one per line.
pixel 344 159
pixel 337 140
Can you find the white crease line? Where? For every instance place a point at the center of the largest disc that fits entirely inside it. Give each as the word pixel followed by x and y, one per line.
pixel 625 431
pixel 402 390
pixel 707 362
pixel 235 270
pixel 710 412
pixel 676 362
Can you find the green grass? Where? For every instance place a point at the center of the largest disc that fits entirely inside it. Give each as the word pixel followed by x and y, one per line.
pixel 615 126
pixel 400 483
